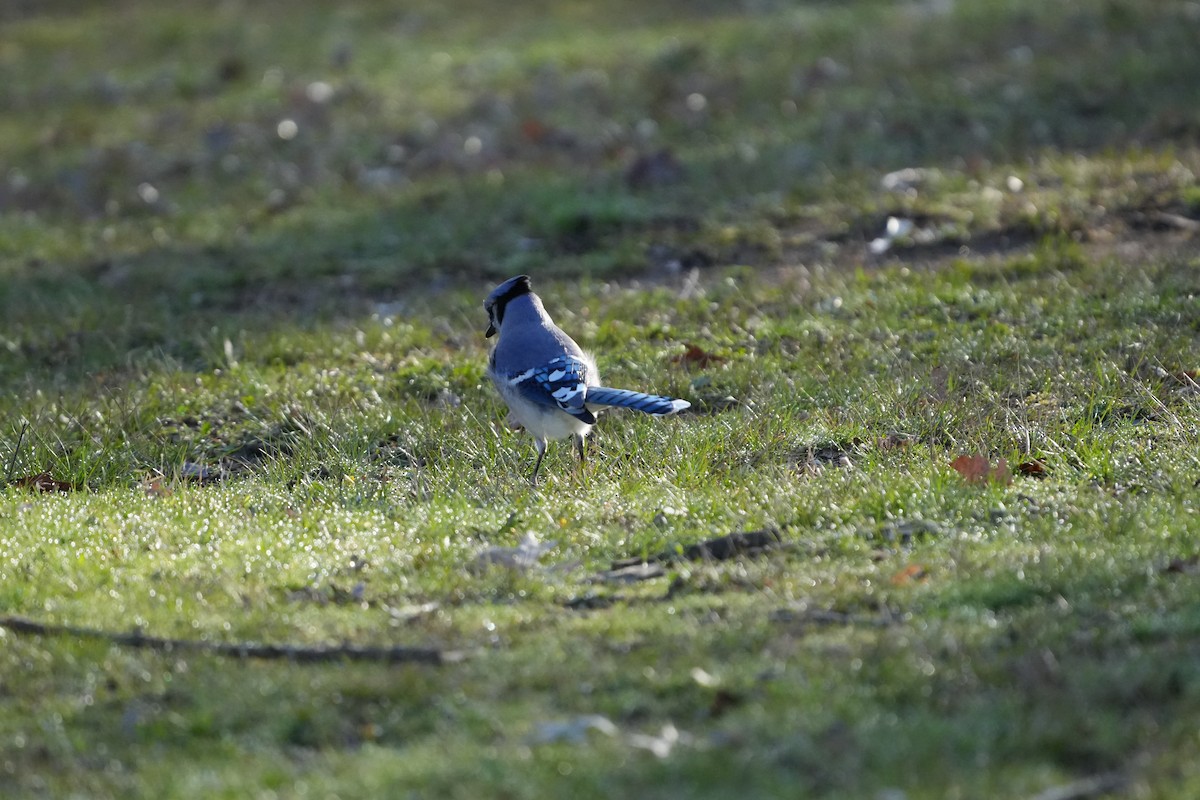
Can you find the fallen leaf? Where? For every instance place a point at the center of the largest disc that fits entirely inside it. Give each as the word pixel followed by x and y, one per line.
pixel 977 469
pixel 695 356
pixel 42 482
pixel 156 486
pixel 1034 468
pixel 972 468
pixel 534 129
pixel 913 572
pixel 1188 377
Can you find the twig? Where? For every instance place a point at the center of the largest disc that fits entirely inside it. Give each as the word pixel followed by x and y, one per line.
pixel 256 650
pixel 1177 221
pixel 12 462
pixel 1085 788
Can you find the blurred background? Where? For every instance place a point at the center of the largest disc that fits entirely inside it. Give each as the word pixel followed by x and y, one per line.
pixel 212 157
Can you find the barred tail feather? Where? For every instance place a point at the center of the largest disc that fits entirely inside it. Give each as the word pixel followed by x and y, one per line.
pixel 638 401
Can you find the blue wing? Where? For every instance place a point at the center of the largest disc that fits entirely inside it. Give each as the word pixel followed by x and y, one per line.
pixel 559 383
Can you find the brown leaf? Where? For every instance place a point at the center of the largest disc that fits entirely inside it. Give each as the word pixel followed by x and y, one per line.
pixel 42 482
pixel 156 486
pixel 1188 377
pixel 977 469
pixel 913 572
pixel 1034 468
pixel 972 468
pixel 534 129
pixel 695 356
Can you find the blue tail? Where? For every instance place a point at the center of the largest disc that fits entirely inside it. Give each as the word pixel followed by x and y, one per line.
pixel 638 401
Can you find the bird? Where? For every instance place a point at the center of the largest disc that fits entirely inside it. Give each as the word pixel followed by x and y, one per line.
pixel 551 386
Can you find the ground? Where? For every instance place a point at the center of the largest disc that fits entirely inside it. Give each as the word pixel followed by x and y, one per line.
pixel 926 271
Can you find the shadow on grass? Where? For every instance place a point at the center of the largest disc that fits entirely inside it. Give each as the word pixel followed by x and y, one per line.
pixel 801 109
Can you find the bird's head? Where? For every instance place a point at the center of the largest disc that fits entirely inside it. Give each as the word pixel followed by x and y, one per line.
pixel 500 297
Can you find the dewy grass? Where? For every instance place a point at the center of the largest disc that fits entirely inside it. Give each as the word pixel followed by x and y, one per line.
pixel 255 361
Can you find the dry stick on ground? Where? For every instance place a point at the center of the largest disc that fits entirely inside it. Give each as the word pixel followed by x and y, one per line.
pixel 1085 788
pixel 298 653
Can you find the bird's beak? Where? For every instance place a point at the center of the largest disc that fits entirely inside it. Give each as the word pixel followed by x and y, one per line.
pixel 490 332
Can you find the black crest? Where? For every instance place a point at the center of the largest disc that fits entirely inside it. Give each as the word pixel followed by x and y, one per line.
pixel 500 297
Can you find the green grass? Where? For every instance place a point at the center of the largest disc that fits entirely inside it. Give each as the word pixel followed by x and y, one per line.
pixel 183 289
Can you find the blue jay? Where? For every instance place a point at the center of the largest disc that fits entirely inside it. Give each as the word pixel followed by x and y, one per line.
pixel 551 386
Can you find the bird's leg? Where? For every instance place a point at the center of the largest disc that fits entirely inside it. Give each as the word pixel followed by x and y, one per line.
pixel 580 447
pixel 541 448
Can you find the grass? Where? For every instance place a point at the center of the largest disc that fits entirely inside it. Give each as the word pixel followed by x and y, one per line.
pixel 186 293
